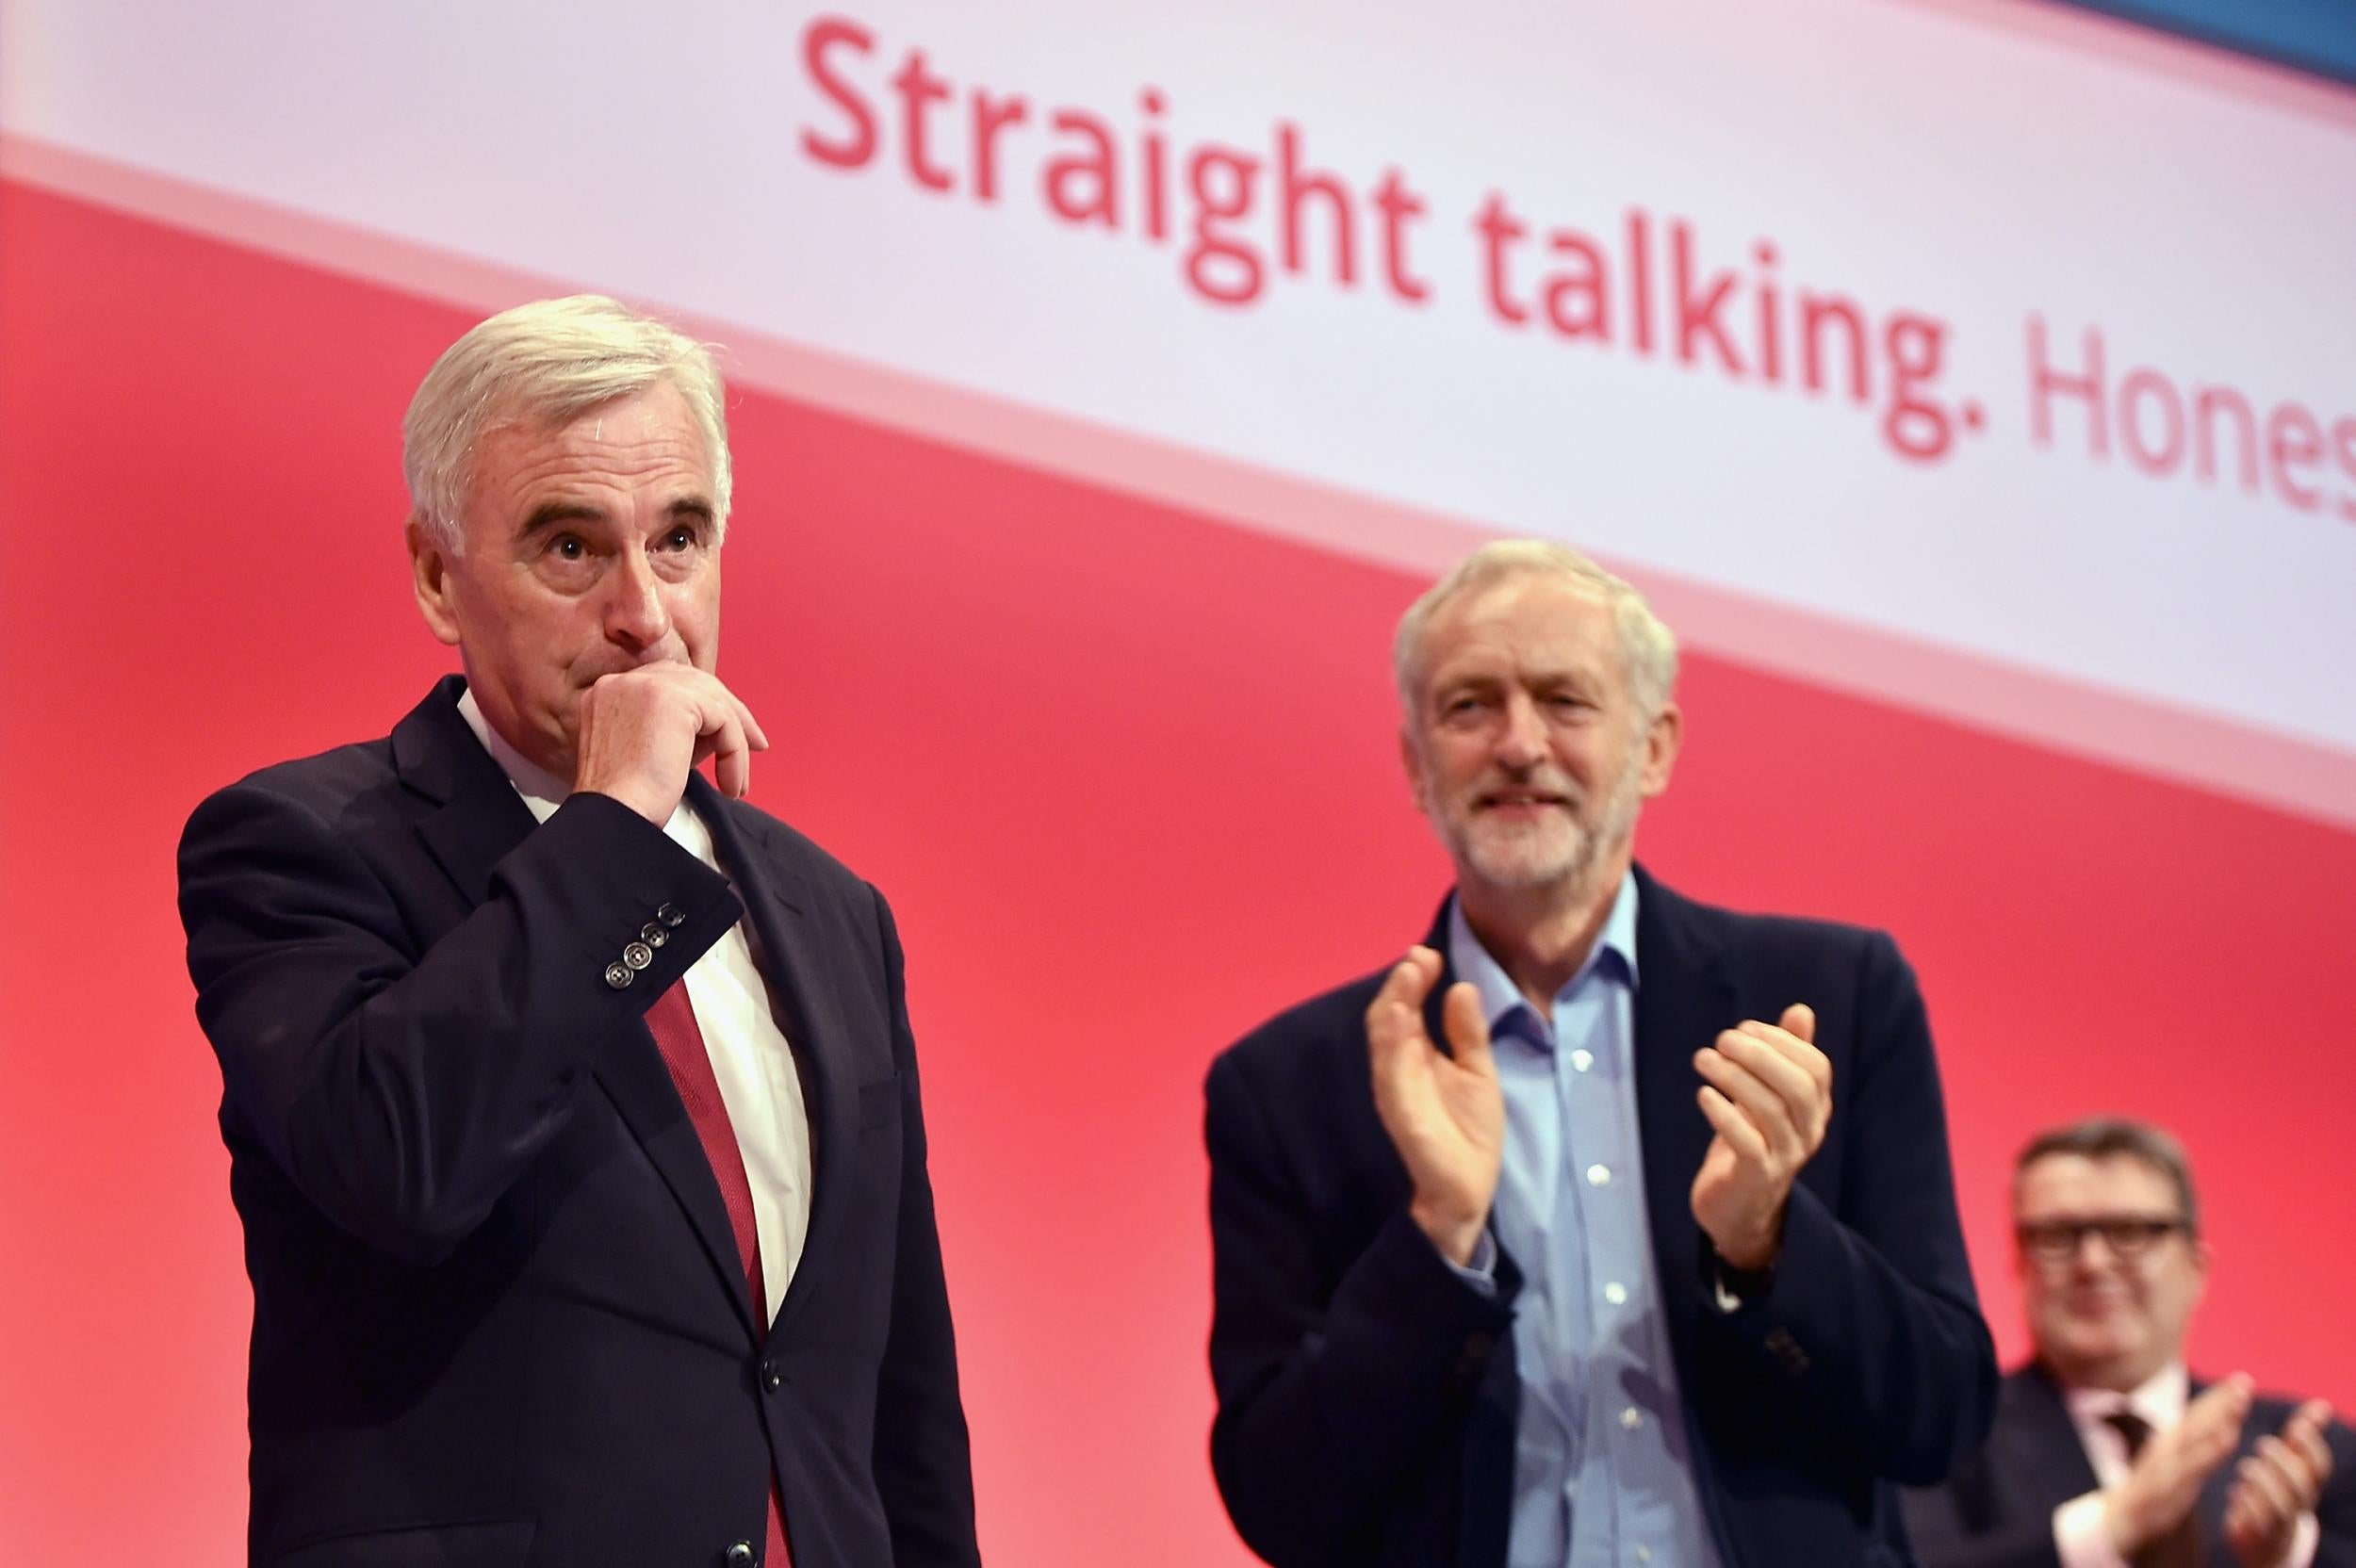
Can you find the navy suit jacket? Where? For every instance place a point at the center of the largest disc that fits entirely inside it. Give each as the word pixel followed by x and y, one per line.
pixel 499 1314
pixel 1367 1395
pixel 1997 1510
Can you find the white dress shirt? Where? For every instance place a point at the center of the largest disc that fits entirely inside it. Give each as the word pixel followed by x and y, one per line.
pixel 759 1082
pixel 2080 1537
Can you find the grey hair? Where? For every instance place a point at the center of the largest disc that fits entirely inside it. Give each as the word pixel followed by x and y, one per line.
pixel 547 364
pixel 1648 649
pixel 2111 1138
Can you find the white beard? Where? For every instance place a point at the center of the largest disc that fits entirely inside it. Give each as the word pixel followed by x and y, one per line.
pixel 1563 847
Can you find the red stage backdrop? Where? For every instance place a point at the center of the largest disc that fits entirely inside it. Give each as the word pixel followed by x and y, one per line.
pixel 1065 585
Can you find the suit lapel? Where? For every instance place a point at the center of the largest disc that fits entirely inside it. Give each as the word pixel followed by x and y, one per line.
pixel 482 820
pixel 2051 1455
pixel 796 962
pixel 480 817
pixel 1684 996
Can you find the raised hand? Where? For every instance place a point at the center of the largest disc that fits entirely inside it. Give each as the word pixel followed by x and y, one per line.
pixel 642 730
pixel 1768 1095
pixel 2165 1482
pixel 1446 1115
pixel 2276 1484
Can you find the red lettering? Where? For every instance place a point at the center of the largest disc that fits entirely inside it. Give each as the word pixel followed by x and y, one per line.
pixel 1397 203
pixel 1157 173
pixel 918 90
pixel 2140 386
pixel 1498 228
pixel 1094 169
pixel 1817 309
pixel 822 35
pixel 1294 186
pixel 1770 323
pixel 1915 427
pixel 2344 444
pixel 1699 317
pixel 2206 403
pixel 1640 281
pixel 2292 440
pixel 989 116
pixel 2044 381
pixel 1242 285
pixel 1586 287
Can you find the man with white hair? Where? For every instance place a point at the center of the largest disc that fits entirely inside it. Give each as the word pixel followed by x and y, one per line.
pixel 571 1101
pixel 1606 1228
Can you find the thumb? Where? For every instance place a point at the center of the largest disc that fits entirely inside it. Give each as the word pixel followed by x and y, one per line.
pixel 1467 1031
pixel 1800 1020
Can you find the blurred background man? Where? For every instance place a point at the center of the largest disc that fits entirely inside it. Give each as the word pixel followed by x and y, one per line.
pixel 2105 1449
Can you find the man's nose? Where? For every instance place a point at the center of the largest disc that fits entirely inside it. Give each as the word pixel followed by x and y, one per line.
pixel 1522 742
pixel 636 615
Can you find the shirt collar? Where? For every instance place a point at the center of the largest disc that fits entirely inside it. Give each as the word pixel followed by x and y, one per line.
pixel 541 789
pixel 1500 996
pixel 2160 1399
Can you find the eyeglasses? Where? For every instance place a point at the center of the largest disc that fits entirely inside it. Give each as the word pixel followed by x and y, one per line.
pixel 2128 1235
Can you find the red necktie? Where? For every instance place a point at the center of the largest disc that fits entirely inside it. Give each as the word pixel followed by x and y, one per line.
pixel 2180 1546
pixel 672 1021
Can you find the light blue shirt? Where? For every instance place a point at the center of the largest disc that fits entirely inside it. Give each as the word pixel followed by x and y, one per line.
pixel 1603 1469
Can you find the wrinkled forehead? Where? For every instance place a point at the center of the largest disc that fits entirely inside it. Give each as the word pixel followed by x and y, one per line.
pixel 2071 1186
pixel 1532 620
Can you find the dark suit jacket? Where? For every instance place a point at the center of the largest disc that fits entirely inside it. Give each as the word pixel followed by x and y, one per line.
pixel 1997 1510
pixel 498 1315
pixel 1367 1395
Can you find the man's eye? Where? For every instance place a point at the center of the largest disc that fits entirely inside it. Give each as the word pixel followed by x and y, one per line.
pixel 567 546
pixel 681 538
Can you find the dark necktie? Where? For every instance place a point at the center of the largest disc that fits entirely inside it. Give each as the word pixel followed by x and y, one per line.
pixel 672 1021
pixel 2180 1545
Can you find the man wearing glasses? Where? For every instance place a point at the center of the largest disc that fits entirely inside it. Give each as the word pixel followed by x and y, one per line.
pixel 2106 1452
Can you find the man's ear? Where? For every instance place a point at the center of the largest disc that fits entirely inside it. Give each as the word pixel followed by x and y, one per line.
pixel 1662 740
pixel 430 579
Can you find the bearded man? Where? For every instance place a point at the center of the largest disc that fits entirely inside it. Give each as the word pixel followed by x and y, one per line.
pixel 1605 1228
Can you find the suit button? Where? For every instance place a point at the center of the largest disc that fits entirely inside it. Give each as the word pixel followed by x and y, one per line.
pixel 670 916
pixel 771 1378
pixel 619 976
pixel 638 955
pixel 653 935
pixel 739 1555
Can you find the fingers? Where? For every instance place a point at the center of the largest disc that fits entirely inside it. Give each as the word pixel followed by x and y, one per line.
pixel 2282 1474
pixel 1742 1134
pixel 1799 1021
pixel 1468 1029
pixel 1394 1017
pixel 2304 1432
pixel 1782 1084
pixel 2212 1424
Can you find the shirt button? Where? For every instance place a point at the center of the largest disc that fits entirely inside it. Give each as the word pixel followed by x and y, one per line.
pixel 1616 1294
pixel 618 975
pixel 1583 1060
pixel 1631 1418
pixel 1643 1554
pixel 1599 1175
